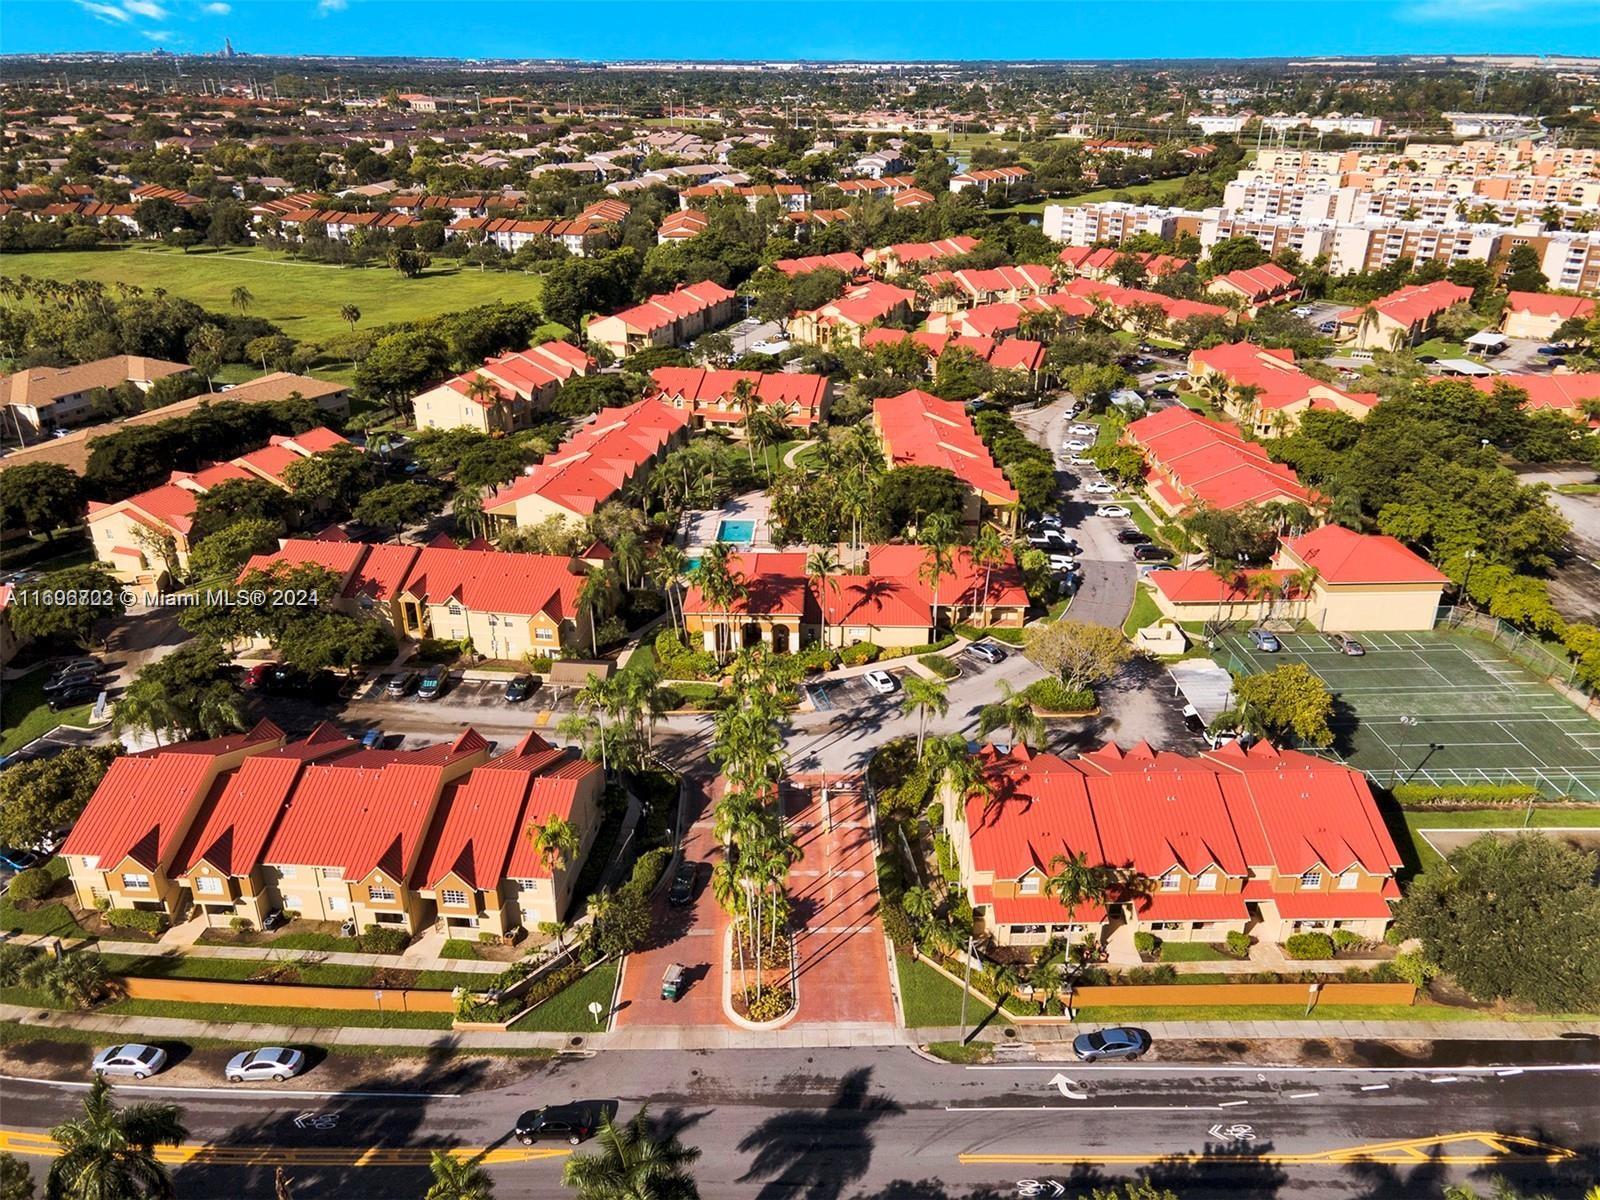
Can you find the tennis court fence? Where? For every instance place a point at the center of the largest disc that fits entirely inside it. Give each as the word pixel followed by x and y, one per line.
pixel 1555 669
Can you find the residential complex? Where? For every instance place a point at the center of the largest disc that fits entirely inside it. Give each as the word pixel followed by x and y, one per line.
pixel 509 392
pixel 40 400
pixel 921 430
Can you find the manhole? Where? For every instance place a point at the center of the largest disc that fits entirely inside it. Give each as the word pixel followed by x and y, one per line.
pixel 1011 1033
pixel 575 1042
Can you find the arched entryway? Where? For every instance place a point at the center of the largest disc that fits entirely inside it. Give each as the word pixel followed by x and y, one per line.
pixel 780 639
pixel 752 634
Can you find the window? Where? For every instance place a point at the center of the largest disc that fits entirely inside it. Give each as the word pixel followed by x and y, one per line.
pixel 1349 881
pixel 1311 879
pixel 136 882
pixel 545 635
pixel 207 885
pixel 455 609
pixel 379 894
pixel 333 872
pixel 1029 886
pixel 528 885
pixel 455 897
pixel 1207 882
pixel 1170 881
pixel 292 904
pixel 336 904
pixel 285 872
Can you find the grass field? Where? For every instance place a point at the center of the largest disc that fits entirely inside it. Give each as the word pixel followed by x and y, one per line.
pixel 304 298
pixel 1439 708
pixel 1154 192
pixel 24 714
pixel 568 1011
pixel 1410 827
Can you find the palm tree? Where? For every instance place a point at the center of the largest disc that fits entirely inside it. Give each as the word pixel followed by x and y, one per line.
pixel 1014 712
pixel 457 1178
pixel 350 314
pixel 922 697
pixel 938 537
pixel 482 390
pixel 951 765
pixel 747 401
pixel 989 551
pixel 628 557
pixel 1073 881
pixel 767 426
pixel 242 298
pixel 109 1152
pixel 595 594
pixel 666 569
pixel 555 841
pixel 632 1165
pixel 598 698
pixel 917 903
pixel 721 586
pixel 822 564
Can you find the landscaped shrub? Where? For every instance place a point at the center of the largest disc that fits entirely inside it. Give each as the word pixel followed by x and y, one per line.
pixel 1507 795
pixel 1308 945
pixel 33 884
pixel 1392 936
pixel 647 870
pixel 1054 696
pixel 1000 633
pixel 558 980
pixel 815 657
pixel 859 653
pixel 539 662
pixel 896 925
pixel 1238 944
pixel 948 867
pixel 677 661
pixel 383 939
pixel 1344 939
pixel 768 1003
pixel 694 695
pixel 1145 943
pixel 936 815
pixel 240 924
pixel 136 918
pixel 939 665
pixel 14 962
pixel 943 643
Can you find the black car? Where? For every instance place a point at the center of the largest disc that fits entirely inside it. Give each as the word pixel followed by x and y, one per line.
pixel 70 679
pixel 71 697
pixel 1132 537
pixel 1151 553
pixel 401 684
pixel 683 881
pixel 557 1123
pixel 520 688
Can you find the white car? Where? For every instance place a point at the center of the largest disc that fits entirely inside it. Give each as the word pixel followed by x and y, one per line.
pixel 134 1059
pixel 1303 311
pixel 1102 488
pixel 276 1063
pixel 1078 460
pixel 880 681
pixel 776 346
pixel 1084 431
pixel 1112 510
pixel 1075 447
pixel 1060 562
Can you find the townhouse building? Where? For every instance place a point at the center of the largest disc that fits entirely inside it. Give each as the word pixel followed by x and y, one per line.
pixel 847 262
pixel 1402 318
pixel 1255 288
pixel 1008 354
pixel 1001 179
pixel 1540 314
pixel 669 319
pixel 919 429
pixel 1265 841
pixel 327 830
pixel 1266 392
pixel 968 288
pixel 509 392
pixel 720 398
pixel 903 256
pixel 1192 461
pixel 1004 319
pixel 846 320
pixel 1100 262
pixel 40 400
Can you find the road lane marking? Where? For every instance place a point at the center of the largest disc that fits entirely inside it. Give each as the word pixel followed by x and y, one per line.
pixel 1303 1095
pixel 1196 1068
pixel 1512 1071
pixel 543 718
pixel 1073 1107
pixel 237 1090
pixel 19 1141
pixel 1232 1103
pixel 1495 1149
pixel 1445 1079
pixel 1375 1087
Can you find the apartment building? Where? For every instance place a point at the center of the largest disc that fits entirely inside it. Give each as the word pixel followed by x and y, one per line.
pixel 1540 314
pixel 1100 262
pixel 1256 287
pixel 1266 841
pixel 847 263
pixel 1001 179
pixel 1571 261
pixel 330 831
pixel 40 400
pixel 1193 462
pixel 918 429
pixel 1111 221
pixel 845 321
pixel 1009 354
pixel 1402 318
pixel 954 290
pixel 1266 392
pixel 670 319
pixel 904 256
pixel 719 398
pixel 509 392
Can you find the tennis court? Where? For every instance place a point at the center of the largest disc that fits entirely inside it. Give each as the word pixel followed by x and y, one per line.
pixel 1441 708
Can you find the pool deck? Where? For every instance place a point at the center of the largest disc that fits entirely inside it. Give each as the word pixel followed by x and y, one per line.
pixel 700 528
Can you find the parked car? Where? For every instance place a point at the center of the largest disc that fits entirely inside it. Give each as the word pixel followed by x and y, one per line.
pixel 1078 460
pixel 276 1063
pixel 372 739
pixel 519 688
pixel 1302 310
pixel 1266 641
pixel 1346 644
pixel 1060 562
pixel 683 881
pixel 880 681
pixel 1048 538
pixel 1047 521
pixel 14 859
pixel 988 651
pixel 65 666
pixel 132 1058
pixel 1151 553
pixel 769 346
pixel 433 681
pixel 401 684
pixel 1119 1042
pixel 79 693
pixel 1132 537
pixel 1099 488
pixel 255 676
pixel 1084 431
pixel 1549 351
pixel 1112 510
pixel 557 1122
pixel 1075 445
pixel 1164 393
pixel 68 679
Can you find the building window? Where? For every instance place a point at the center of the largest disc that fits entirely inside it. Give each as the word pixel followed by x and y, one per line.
pixel 1311 879
pixel 528 885
pixel 1170 881
pixel 285 872
pixel 1029 886
pixel 1207 882
pixel 292 904
pixel 207 885
pixel 452 896
pixel 455 610
pixel 333 872
pixel 138 883
pixel 545 635
pixel 1349 881
pixel 378 894
pixel 1026 930
pixel 336 904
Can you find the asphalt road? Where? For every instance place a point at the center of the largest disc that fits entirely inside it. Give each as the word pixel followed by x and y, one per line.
pixel 832 1124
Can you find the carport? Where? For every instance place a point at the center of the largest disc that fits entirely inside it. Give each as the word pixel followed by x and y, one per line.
pixel 1205 687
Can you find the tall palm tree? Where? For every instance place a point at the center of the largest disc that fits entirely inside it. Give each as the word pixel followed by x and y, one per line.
pixel 722 586
pixel 924 696
pixel 951 765
pixel 1013 712
pixel 242 298
pixel 747 401
pixel 596 594
pixel 457 1179
pixel 1073 881
pixel 350 314
pixel 109 1153
pixel 667 569
pixel 482 390
pixel 627 555
pixel 632 1165
pixel 989 550
pixel 938 537
pixel 822 564
pixel 555 841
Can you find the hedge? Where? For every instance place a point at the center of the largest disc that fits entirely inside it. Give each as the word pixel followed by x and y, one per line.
pixel 939 665
pixel 859 654
pixel 378 939
pixel 647 870
pixel 896 925
pixel 1484 795
pixel 136 918
pixel 1000 633
pixel 943 643
pixel 677 661
pixel 1308 946
pixel 31 884
pixel 1054 696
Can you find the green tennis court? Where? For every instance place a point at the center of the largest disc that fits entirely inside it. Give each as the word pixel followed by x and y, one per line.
pixel 1442 708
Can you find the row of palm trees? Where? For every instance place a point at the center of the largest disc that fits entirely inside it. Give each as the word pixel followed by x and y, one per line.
pixel 614 718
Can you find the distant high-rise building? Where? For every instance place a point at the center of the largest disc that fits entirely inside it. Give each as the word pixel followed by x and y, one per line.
pixel 227 49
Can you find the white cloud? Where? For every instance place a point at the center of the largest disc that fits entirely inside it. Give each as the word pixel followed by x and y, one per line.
pixel 145 8
pixel 324 7
pixel 218 10
pixel 1481 10
pixel 105 12
pixel 156 35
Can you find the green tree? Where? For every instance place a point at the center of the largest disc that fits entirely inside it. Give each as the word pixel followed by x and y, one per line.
pixel 241 298
pixel 109 1153
pixel 189 691
pixel 1236 253
pixel 238 500
pixel 70 604
pixel 47 794
pixel 321 640
pixel 1080 653
pixel 1075 881
pixel 632 1164
pixel 401 365
pixel 457 1178
pixel 397 505
pixel 336 478
pixel 555 840
pixel 1288 700
pixel 349 314
pixel 16 1181
pixel 1524 272
pixel 924 696
pixel 221 554
pixel 1513 919
pixel 1014 713
pixel 40 497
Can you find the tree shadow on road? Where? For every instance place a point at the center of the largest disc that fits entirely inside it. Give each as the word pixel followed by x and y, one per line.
pixel 815 1154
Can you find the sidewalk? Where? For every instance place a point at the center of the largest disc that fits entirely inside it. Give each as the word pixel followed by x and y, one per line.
pixel 267 953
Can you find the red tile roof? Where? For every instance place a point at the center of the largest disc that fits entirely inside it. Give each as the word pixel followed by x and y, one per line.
pixel 1260 283
pixel 1342 556
pixel 1208 462
pixel 1273 373
pixel 1562 393
pixel 1019 354
pixel 906 253
pixel 1547 304
pixel 1415 304
pixel 863 304
pixel 775 585
pixel 1207 587
pixel 702 391
pixel 848 261
pixel 922 430
pixel 663 310
pixel 1125 298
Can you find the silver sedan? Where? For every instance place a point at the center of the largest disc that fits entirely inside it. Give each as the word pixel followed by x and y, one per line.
pixel 134 1059
pixel 276 1063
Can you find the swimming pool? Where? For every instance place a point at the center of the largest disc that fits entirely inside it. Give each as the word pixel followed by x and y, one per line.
pixel 740 533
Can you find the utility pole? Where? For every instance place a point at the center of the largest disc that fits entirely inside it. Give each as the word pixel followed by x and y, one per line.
pixel 966 989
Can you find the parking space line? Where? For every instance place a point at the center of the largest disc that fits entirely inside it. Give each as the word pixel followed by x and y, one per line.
pixel 543 718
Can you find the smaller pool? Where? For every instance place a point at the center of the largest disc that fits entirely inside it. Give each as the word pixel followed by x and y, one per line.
pixel 740 533
pixel 693 563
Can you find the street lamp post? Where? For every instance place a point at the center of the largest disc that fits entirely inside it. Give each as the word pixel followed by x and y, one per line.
pixel 966 989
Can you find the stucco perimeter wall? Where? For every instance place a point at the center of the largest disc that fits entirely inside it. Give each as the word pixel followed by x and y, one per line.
pixel 284 995
pixel 1183 995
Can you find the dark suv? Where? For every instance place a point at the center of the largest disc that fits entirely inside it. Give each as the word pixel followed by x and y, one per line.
pixel 557 1123
pixel 682 891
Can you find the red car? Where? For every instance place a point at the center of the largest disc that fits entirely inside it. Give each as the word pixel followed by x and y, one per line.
pixel 256 676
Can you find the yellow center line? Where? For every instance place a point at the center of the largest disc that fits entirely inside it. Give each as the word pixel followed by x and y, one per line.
pixel 1493 1148
pixel 19 1141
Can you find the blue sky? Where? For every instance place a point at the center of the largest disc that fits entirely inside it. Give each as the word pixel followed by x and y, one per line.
pixel 816 29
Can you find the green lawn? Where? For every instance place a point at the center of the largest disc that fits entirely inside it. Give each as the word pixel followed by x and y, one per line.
pixel 1578 489
pixel 1144 611
pixel 54 919
pixel 234 970
pixel 568 1011
pixel 1426 857
pixel 1192 952
pixel 929 999
pixel 1297 1012
pixel 71 548
pixel 1154 192
pixel 1440 348
pixel 265 1015
pixel 24 715
pixel 959 1053
pixel 643 656
pixel 457 948
pixel 304 298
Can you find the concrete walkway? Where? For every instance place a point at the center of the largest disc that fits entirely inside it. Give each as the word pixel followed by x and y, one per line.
pixel 268 953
